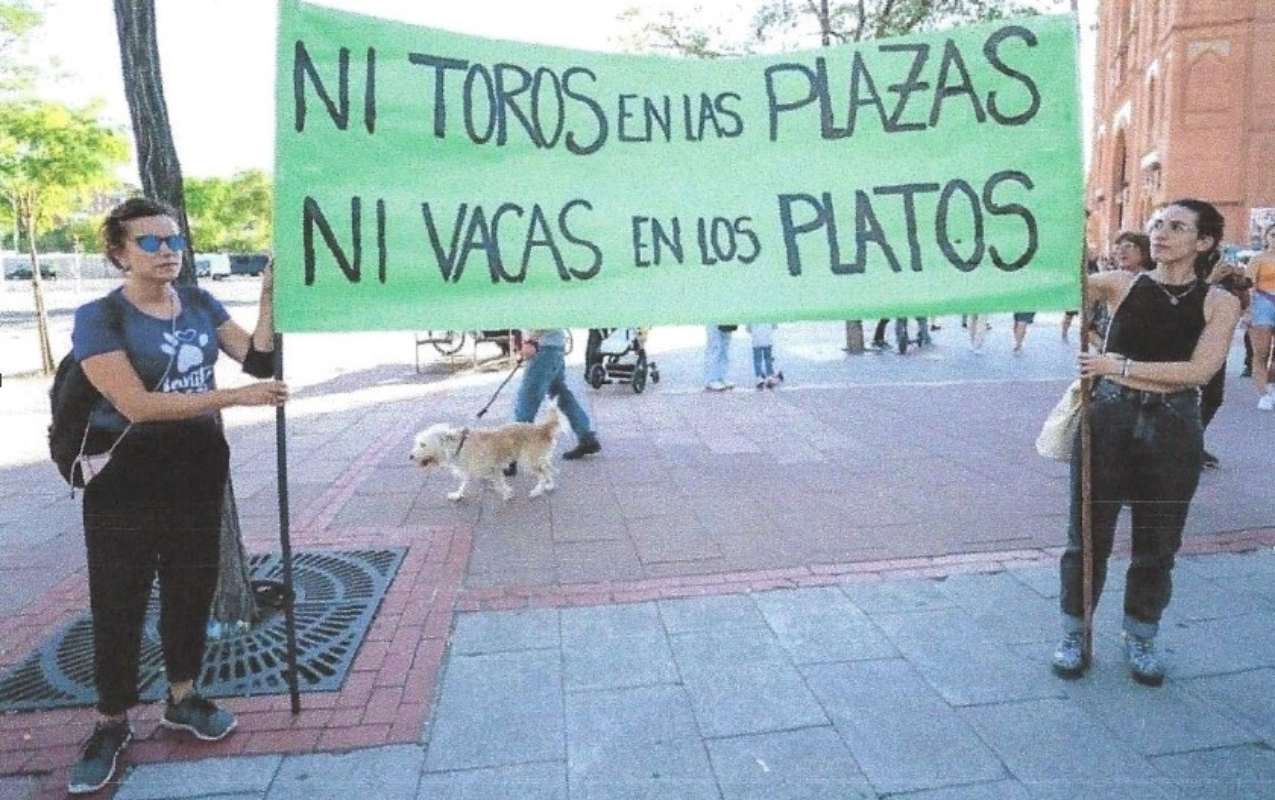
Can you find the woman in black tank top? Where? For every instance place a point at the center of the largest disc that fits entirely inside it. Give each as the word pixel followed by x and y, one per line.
pixel 1169 334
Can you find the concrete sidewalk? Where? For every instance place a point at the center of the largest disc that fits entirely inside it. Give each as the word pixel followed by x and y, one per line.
pixel 841 588
pixel 902 688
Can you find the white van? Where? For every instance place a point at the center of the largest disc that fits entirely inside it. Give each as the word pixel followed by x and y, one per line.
pixel 212 265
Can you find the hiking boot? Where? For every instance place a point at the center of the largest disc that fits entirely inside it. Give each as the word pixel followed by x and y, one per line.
pixel 1144 664
pixel 1069 659
pixel 100 756
pixel 511 470
pixel 587 446
pixel 1209 461
pixel 200 717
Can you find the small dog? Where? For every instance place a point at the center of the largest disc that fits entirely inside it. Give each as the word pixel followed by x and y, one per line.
pixel 483 453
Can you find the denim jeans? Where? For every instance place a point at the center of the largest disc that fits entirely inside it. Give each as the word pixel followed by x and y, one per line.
pixel 716 354
pixel 763 362
pixel 546 374
pixel 1146 453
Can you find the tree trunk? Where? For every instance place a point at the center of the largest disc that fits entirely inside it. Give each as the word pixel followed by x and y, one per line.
pixel 161 177
pixel 41 315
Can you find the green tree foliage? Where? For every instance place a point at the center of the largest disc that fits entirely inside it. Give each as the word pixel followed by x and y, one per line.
pixel 230 214
pixel 51 157
pixel 18 18
pixel 775 25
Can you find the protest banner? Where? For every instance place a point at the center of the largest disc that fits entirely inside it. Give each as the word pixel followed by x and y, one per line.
pixel 426 179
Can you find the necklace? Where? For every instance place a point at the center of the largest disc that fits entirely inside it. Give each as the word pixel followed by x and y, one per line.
pixel 1176 297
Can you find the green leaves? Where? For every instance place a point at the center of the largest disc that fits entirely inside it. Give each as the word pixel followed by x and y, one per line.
pixel 230 214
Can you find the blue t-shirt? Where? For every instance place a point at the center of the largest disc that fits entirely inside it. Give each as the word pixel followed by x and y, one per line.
pixel 189 343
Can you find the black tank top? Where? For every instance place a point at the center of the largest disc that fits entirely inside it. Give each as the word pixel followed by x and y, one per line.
pixel 1149 326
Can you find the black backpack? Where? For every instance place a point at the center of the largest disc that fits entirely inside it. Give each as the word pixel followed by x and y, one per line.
pixel 71 400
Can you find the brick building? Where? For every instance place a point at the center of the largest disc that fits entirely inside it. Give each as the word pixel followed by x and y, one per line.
pixel 1184 106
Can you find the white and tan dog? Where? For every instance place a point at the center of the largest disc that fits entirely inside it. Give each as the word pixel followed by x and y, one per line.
pixel 483 453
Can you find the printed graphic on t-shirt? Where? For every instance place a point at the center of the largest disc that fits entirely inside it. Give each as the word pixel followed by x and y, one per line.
pixel 189 373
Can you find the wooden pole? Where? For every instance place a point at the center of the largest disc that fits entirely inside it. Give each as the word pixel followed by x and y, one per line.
pixel 285 540
pixel 1086 471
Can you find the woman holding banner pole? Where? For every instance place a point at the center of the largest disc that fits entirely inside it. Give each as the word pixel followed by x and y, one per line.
pixel 1170 333
pixel 153 502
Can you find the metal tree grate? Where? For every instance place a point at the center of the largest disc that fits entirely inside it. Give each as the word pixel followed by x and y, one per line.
pixel 337 595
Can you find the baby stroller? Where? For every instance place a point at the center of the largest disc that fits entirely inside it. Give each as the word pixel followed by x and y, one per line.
pixel 616 355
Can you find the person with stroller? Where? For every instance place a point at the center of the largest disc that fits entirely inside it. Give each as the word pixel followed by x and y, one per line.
pixel 150 348
pixel 1169 334
pixel 544 354
pixel 763 336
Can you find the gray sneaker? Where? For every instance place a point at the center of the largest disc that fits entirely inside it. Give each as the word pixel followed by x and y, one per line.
pixel 1069 659
pixel 1144 664
pixel 200 717
pixel 99 758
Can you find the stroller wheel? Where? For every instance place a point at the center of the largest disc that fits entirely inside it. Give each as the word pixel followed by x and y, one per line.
pixel 597 376
pixel 655 373
pixel 639 375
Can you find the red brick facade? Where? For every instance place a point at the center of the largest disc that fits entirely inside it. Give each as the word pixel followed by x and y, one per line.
pixel 1185 106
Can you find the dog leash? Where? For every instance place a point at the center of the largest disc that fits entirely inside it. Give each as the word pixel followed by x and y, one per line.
pixel 500 388
pixel 464 432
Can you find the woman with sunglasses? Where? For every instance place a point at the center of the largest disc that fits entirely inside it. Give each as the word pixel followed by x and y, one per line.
pixel 1169 334
pixel 150 347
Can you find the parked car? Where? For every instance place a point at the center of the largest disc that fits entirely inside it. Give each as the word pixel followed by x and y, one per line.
pixel 248 263
pixel 24 273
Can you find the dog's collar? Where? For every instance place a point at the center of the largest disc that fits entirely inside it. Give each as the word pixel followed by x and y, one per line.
pixel 464 434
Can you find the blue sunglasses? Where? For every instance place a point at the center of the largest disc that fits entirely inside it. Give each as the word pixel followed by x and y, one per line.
pixel 150 243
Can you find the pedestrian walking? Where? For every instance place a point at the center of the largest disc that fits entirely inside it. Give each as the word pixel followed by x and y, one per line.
pixel 545 375
pixel 763 336
pixel 1021 320
pixel 1262 327
pixel 155 506
pixel 1169 335
pixel 717 357
pixel 1229 278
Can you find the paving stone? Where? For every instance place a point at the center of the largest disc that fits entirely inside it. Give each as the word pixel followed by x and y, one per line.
pixel 500 631
pixel 1004 607
pixel 581 625
pixel 1213 647
pixel 901 733
pixel 498 709
pixel 1230 565
pixel 741 682
pixel 1164 720
pixel 806 764
pixel 717 612
pixel 961 661
pixel 545 781
pixel 1045 742
pixel 386 773
pixel 816 625
pixel 659 770
pixel 1000 790
pixel 1042 580
pixel 1196 598
pixel 17 788
pixel 1246 696
pixel 1246 772
pixel 895 596
pixel 634 715
pixel 612 662
pixel 193 778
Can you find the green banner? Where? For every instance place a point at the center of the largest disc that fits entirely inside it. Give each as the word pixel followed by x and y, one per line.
pixel 427 179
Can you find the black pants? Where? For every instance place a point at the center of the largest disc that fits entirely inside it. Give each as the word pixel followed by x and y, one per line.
pixel 1211 397
pixel 155 508
pixel 1146 454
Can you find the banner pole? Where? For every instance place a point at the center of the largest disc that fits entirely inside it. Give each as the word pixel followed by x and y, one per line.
pixel 1086 471
pixel 285 540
